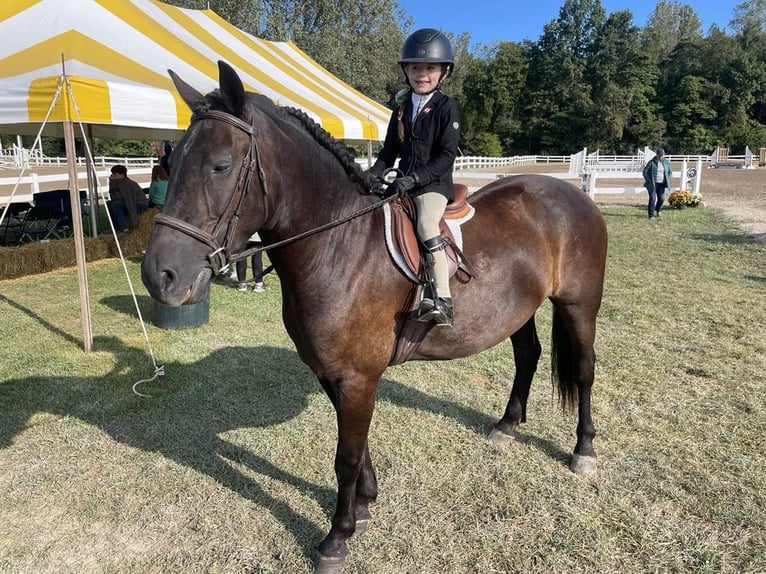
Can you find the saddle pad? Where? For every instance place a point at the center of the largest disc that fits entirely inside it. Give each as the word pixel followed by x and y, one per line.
pixel 399 259
pixel 454 224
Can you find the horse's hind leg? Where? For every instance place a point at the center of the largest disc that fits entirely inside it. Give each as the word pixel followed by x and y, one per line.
pixel 526 354
pixel 574 361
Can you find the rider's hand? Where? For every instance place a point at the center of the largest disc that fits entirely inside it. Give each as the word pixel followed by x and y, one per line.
pixel 401 185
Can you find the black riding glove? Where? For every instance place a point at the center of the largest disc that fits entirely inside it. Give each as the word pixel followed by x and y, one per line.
pixel 401 185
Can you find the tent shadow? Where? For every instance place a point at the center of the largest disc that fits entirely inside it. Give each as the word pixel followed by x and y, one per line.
pixel 46 324
pixel 183 420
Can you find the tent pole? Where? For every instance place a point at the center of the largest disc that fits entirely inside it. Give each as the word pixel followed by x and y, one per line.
pixel 92 186
pixel 79 241
pixel 369 153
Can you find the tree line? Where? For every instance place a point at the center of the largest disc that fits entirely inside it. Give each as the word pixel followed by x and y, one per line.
pixel 591 79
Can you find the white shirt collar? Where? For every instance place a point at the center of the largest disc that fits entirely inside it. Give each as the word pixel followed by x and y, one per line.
pixel 419 102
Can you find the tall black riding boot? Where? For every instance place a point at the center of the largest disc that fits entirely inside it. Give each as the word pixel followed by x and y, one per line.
pixel 435 308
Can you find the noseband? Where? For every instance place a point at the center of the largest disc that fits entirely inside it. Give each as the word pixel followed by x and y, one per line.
pixel 219 259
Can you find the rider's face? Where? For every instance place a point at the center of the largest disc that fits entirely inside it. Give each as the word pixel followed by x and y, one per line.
pixel 423 77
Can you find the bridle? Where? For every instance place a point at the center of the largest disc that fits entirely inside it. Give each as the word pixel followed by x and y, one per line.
pixel 220 259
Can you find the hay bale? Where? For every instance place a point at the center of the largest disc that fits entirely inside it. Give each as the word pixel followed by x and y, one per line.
pixel 33 258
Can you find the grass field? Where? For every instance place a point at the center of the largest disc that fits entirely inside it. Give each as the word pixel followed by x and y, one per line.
pixel 227 466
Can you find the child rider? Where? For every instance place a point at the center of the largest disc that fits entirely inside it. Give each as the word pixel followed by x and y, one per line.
pixel 424 132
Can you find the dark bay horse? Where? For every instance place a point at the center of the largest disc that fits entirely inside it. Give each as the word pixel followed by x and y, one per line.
pixel 246 165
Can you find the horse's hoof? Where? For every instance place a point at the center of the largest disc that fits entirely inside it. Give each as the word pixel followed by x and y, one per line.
pixel 582 465
pixel 328 564
pixel 361 526
pixel 499 437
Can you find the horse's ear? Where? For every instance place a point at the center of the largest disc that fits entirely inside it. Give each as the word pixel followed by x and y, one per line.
pixel 232 90
pixel 188 94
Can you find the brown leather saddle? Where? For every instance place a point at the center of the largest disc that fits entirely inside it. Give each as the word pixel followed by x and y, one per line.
pixel 405 241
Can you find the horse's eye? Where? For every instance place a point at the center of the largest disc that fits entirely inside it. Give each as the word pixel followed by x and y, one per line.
pixel 220 163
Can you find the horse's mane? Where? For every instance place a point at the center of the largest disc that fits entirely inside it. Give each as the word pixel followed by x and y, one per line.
pixel 300 119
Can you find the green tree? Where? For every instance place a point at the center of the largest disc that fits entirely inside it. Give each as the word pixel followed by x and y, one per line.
pixel 558 104
pixel 749 24
pixel 486 144
pixel 621 78
pixel 670 23
pixel 490 96
pixel 358 40
pixel 687 100
pixel 749 16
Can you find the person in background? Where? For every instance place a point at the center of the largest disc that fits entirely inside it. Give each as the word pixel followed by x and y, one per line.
pixel 167 149
pixel 424 132
pixel 162 151
pixel 257 262
pixel 158 188
pixel 657 173
pixel 127 199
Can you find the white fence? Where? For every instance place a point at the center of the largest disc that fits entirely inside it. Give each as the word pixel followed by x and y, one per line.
pixel 11 158
pixel 29 184
pixel 587 168
pixel 477 162
pixel 464 162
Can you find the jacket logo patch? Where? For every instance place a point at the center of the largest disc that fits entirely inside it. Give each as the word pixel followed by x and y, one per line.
pixel 426 109
pixel 455 125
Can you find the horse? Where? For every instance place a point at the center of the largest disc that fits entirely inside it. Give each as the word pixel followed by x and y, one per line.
pixel 245 164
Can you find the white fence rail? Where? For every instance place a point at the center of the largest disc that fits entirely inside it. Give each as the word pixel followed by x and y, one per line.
pixel 9 158
pixel 29 184
pixel 581 165
pixel 17 161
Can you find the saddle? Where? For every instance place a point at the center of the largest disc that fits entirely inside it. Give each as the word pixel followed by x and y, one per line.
pixel 403 243
pixel 404 247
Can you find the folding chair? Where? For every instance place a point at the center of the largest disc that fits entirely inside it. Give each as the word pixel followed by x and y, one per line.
pixel 10 230
pixel 60 204
pixel 39 224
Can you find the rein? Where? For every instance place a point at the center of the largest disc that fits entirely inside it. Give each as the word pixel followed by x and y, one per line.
pixel 253 250
pixel 219 259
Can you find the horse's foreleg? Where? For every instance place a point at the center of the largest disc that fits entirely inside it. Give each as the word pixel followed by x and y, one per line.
pixel 354 403
pixel 366 492
pixel 526 354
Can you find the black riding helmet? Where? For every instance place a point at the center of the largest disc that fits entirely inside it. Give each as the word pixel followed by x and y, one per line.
pixel 428 46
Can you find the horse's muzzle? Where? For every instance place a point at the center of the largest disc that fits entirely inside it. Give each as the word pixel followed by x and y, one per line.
pixel 171 284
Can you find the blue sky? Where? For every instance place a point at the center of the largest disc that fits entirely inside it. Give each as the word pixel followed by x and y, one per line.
pixel 512 20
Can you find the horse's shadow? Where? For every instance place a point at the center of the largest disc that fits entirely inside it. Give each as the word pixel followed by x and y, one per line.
pixel 187 413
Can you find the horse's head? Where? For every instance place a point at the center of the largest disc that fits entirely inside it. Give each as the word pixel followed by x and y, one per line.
pixel 216 194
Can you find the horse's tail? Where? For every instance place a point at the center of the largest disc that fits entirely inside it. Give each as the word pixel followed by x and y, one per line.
pixel 562 362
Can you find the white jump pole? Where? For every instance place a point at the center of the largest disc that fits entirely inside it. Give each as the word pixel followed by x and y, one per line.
pixel 698 177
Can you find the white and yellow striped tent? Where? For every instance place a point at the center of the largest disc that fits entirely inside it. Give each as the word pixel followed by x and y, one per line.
pixel 116 53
